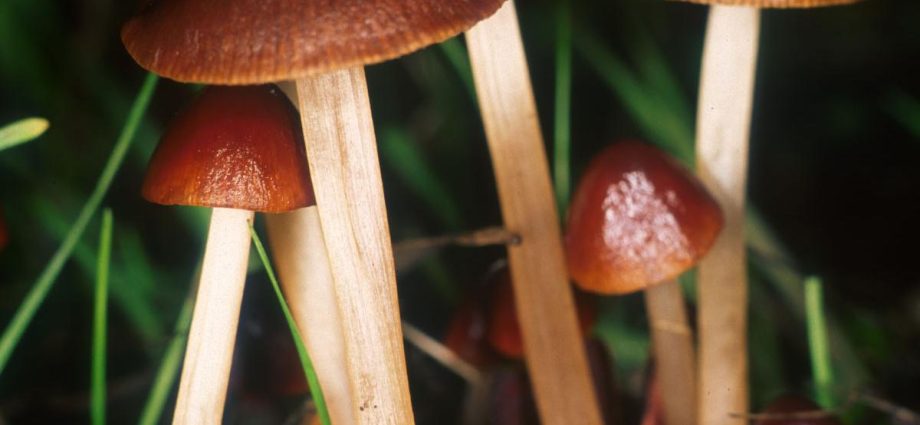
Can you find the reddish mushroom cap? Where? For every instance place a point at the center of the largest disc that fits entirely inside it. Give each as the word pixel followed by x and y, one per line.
pixel 504 328
pixel 233 147
pixel 637 219
pixel 468 331
pixel 788 405
pixel 261 41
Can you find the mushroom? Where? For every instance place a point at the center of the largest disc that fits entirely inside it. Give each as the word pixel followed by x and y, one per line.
pixel 323 46
pixel 637 221
pixel 556 360
pixel 504 330
pixel 236 150
pixel 722 130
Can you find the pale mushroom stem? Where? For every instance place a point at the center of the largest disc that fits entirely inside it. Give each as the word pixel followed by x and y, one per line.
pixel 554 348
pixel 342 151
pixel 723 126
pixel 675 358
pixel 209 353
pixel 300 255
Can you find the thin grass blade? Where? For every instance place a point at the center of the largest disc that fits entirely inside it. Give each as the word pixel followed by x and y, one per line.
pixel 166 375
pixel 45 281
pixel 818 346
pixel 309 371
pixel 100 320
pixel 563 108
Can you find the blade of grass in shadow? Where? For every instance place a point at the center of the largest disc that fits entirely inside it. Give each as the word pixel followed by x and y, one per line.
pixel 563 107
pixel 660 124
pixel 169 368
pixel 905 109
pixel 402 156
pixel 97 386
pixel 456 54
pixel 818 347
pixel 132 296
pixel 22 131
pixel 45 281
pixel 312 379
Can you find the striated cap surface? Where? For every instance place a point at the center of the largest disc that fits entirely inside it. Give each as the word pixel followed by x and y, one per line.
pixel 775 4
pixel 261 41
pixel 233 147
pixel 637 219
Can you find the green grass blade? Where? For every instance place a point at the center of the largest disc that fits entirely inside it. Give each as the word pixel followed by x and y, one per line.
pixel 169 368
pixel 818 343
pixel 132 282
pixel 456 54
pixel 404 158
pixel 660 124
pixel 905 109
pixel 312 379
pixel 563 108
pixel 22 131
pixel 97 387
pixel 45 281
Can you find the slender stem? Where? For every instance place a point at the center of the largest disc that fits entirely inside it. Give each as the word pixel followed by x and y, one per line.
pixel 675 356
pixel 97 388
pixel 316 390
pixel 46 280
pixel 554 348
pixel 212 336
pixel 563 110
pixel 342 151
pixel 299 252
pixel 723 125
pixel 818 342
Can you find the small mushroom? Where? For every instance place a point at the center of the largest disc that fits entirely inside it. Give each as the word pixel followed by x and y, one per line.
pixel 637 221
pixel 236 150
pixel 723 124
pixel 504 331
pixel 323 46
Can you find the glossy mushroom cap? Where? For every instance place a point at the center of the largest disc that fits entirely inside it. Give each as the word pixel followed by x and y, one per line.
pixel 233 147
pixel 261 41
pixel 637 219
pixel 785 407
pixel 505 330
pixel 775 4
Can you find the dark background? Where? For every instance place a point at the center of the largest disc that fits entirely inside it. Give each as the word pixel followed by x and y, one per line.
pixel 834 141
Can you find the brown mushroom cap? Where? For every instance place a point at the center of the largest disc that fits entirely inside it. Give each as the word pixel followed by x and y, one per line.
pixel 233 147
pixel 504 332
pixel 637 219
pixel 775 4
pixel 261 41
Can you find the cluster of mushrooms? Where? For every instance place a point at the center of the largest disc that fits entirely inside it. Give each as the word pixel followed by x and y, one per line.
pixel 285 128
